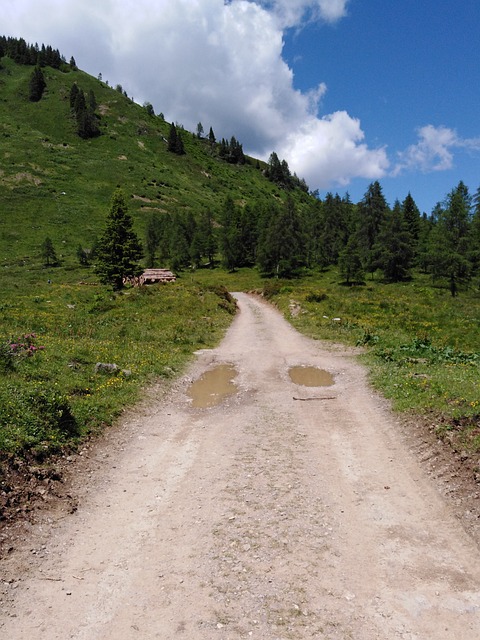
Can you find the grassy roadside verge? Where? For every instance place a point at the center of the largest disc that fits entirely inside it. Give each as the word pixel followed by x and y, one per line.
pixel 421 345
pixel 54 332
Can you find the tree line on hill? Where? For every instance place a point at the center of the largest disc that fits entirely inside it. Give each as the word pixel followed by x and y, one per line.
pixel 284 240
pixel 360 239
pixel 31 54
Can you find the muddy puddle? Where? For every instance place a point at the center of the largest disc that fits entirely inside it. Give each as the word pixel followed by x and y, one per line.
pixel 213 386
pixel 311 377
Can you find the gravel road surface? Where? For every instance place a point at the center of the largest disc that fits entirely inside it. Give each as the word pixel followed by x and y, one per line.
pixel 283 512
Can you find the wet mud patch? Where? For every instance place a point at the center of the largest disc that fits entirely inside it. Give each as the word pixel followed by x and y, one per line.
pixel 213 386
pixel 311 377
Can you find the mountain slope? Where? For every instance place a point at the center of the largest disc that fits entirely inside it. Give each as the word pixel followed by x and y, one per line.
pixel 54 183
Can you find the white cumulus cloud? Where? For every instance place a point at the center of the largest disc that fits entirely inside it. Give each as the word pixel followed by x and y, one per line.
pixel 215 62
pixel 331 151
pixel 292 12
pixel 434 150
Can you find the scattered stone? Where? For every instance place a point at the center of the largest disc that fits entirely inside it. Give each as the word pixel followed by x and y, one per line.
pixel 106 367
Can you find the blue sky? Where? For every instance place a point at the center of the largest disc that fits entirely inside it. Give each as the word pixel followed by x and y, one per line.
pixel 399 66
pixel 347 91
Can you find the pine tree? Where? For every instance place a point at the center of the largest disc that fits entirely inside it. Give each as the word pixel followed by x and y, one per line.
pixel 350 262
pixel 203 244
pixel 37 85
pixel 394 246
pixel 334 229
pixel 223 149
pixel 179 148
pixel 195 250
pixel 87 120
pixel 163 251
pixel 153 237
pixel 209 238
pixel 275 171
pixel 411 215
pixel 119 249
pixel 91 101
pixel 286 175
pixel 422 252
pixel 80 104
pixel 48 253
pixel 179 244
pixel 372 211
pixel 449 240
pixel 175 142
pixel 235 155
pixel 211 137
pixel 149 108
pixel 281 244
pixel 87 124
pixel 248 236
pixel 313 227
pixel 230 235
pixel 73 95
pixel 172 138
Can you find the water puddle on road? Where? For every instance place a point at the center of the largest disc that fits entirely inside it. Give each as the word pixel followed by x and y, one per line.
pixel 213 386
pixel 311 377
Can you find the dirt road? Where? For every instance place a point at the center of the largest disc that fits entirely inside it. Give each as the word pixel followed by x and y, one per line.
pixel 264 517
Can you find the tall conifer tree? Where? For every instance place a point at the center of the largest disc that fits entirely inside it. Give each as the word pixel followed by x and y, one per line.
pixel 119 250
pixel 449 239
pixel 37 85
pixel 281 247
pixel 394 246
pixel 372 211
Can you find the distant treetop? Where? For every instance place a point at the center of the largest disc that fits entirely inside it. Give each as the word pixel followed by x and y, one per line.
pixel 22 52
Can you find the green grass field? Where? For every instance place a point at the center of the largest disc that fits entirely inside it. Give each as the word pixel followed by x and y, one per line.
pixel 51 393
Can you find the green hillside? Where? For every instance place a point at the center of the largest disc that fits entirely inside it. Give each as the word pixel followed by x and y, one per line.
pixel 54 183
pixel 57 322
pixel 405 287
